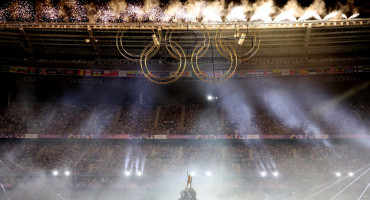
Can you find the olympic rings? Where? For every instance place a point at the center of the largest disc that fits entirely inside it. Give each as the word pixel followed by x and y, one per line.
pixel 130 56
pixel 168 41
pixel 256 40
pixel 225 48
pixel 148 50
pixel 215 79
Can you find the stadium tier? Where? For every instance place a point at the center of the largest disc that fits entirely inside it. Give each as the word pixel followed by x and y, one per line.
pixel 197 119
pixel 187 100
pixel 117 46
pixel 275 167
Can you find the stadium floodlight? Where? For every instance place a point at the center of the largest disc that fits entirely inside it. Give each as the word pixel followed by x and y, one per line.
pixel 350 174
pixel 192 173
pixel 139 173
pixel 263 174
pixel 242 38
pixel 55 173
pixel 67 173
pixel 275 174
pixel 338 174
pixel 155 40
pixel 210 98
pixel 208 173
pixel 127 173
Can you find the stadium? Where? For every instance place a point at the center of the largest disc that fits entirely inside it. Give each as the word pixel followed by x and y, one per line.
pixel 187 100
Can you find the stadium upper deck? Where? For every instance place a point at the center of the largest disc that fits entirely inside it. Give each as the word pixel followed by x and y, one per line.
pixel 185 25
pixel 283 44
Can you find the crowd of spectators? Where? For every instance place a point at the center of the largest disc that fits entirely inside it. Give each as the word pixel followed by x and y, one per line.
pixel 169 121
pixel 207 119
pixel 12 121
pixel 134 119
pixel 112 158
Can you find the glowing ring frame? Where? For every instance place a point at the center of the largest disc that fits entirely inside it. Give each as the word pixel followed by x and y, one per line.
pixel 245 56
pixel 148 51
pixel 168 42
pixel 125 53
pixel 224 77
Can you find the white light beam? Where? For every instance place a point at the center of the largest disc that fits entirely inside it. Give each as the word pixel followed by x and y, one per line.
pixel 362 194
pixel 4 191
pixel 340 192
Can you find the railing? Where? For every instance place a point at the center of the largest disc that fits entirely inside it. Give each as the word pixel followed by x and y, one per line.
pixel 183 26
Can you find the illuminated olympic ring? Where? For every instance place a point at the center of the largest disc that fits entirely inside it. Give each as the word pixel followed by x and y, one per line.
pixel 148 51
pixel 169 46
pixel 215 79
pixel 244 56
pixel 130 56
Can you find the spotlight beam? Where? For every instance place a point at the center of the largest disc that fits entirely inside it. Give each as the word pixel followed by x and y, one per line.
pixel 340 192
pixel 327 187
pixel 60 197
pixel 7 197
pixel 331 185
pixel 52 191
pixel 362 194
pixel 309 190
pixel 330 104
pixel 6 166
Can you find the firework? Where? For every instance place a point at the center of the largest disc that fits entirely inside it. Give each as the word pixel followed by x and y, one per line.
pixel 263 12
pixel 332 15
pixel 286 16
pixel 175 11
pixel 21 11
pixel 309 15
pixel 2 15
pixel 354 16
pixel 236 13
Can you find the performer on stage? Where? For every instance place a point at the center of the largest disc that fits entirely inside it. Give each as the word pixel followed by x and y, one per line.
pixel 188 193
pixel 190 180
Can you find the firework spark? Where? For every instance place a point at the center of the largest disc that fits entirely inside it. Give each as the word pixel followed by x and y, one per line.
pixel 263 12
pixel 2 15
pixel 46 12
pixel 309 15
pixel 286 16
pixel 106 15
pixel 175 11
pixel 213 12
pixel 332 15
pixel 236 13
pixel 354 16
pixel 21 11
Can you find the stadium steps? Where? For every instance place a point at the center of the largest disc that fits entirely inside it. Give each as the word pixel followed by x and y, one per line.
pixel 222 118
pixel 41 152
pixel 91 168
pixel 250 154
pixel 294 152
pixel 99 163
pixel 83 154
pixel 182 121
pixel 50 117
pixel 180 153
pixel 116 118
pixel 25 116
pixel 157 116
pixel 110 154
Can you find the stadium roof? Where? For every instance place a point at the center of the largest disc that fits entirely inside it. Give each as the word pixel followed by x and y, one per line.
pixel 283 44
